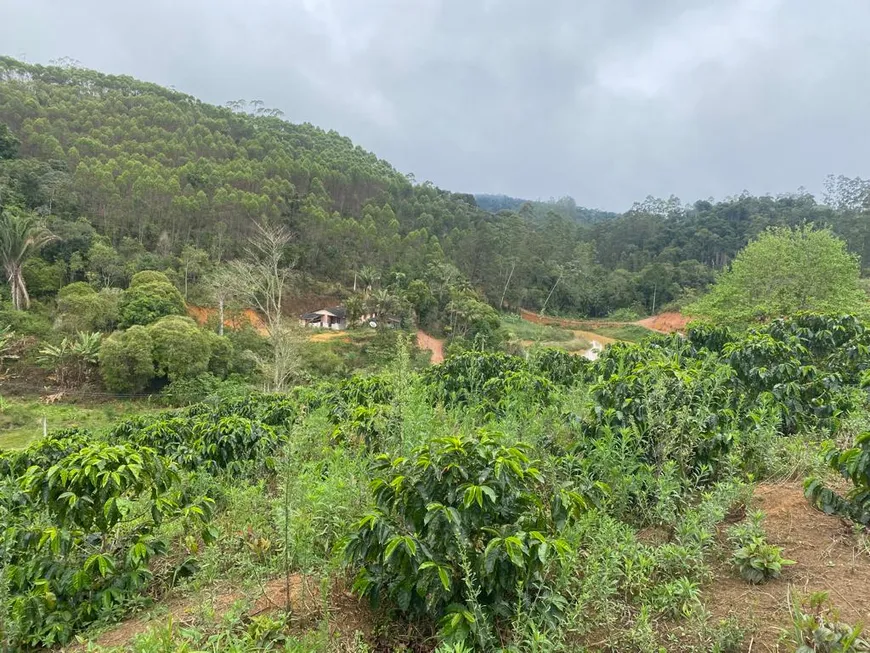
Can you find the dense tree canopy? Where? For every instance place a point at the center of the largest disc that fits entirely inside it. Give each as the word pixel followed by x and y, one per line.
pixel 785 271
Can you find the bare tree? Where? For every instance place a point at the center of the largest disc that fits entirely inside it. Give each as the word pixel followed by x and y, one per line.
pixel 222 288
pixel 261 280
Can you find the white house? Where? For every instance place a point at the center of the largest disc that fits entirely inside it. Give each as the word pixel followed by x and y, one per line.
pixel 336 319
pixel 327 318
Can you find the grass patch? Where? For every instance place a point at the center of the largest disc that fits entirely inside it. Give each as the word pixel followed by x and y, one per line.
pixel 21 420
pixel 628 332
pixel 519 329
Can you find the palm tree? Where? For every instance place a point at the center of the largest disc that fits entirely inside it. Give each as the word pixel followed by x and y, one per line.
pixel 20 236
pixel 381 303
pixel 368 276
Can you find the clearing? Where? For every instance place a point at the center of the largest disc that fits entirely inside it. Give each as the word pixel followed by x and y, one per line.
pixel 436 346
pixel 21 419
pixel 661 323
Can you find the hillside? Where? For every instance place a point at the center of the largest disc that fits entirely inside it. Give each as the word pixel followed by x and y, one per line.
pixel 147 171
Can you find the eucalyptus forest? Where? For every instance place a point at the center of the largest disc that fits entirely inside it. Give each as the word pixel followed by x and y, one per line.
pixel 642 431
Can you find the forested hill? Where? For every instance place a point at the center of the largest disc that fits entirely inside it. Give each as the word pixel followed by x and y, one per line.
pixel 130 175
pixel 565 207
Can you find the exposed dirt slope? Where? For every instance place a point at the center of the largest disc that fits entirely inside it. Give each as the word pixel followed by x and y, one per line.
pixel 665 322
pixel 235 320
pixel 436 346
pixel 829 558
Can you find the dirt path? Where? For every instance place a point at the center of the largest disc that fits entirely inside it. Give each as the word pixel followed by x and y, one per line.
pixel 425 341
pixel 206 608
pixel 665 322
pixel 662 323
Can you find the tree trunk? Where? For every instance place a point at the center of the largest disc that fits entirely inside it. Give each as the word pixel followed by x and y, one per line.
pixel 17 289
pixel 221 316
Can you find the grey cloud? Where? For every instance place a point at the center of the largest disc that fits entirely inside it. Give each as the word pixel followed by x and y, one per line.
pixel 608 102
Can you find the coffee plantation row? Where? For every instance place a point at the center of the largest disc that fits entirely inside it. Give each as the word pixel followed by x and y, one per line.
pixel 490 502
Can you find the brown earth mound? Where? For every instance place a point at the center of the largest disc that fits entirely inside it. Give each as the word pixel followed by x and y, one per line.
pixel 665 322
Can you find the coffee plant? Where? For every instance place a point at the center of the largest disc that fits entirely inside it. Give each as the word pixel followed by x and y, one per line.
pixel 853 464
pixel 81 533
pixel 459 524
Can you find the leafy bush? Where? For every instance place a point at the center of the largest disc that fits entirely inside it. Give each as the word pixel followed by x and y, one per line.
pixel 461 378
pixel 35 322
pixel 148 276
pixel 85 562
pixel 43 278
pixel 45 452
pixel 458 525
pixel 221 354
pixel 81 308
pixel 127 360
pixel 184 392
pixel 755 559
pixel 817 628
pixel 361 409
pixel 558 366
pixel 147 302
pixel 181 348
pixel 208 443
pixel 852 464
pixel 758 561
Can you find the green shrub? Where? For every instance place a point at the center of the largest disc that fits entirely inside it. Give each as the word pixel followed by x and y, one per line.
pixel 70 557
pixel 461 378
pixel 148 276
pixel 81 308
pixel 817 628
pixel 184 392
pixel 459 529
pixel 127 360
pixel 222 355
pixel 210 443
pixel 852 464
pixel 34 322
pixel 181 349
pixel 43 278
pixel 147 302
pixel 758 561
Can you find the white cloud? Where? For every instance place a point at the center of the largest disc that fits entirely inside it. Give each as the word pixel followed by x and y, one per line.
pixel 726 35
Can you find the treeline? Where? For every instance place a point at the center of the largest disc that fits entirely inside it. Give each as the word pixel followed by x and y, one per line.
pixel 122 169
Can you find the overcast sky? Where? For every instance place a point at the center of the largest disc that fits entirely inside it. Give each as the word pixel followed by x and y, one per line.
pixel 604 100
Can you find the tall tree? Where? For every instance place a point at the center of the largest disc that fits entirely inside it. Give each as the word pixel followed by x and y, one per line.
pixel 261 279
pixel 782 272
pixel 20 236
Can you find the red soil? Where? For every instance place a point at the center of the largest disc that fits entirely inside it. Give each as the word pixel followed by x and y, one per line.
pixel 425 341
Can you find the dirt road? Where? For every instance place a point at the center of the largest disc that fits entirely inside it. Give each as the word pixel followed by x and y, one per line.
pixel 662 323
pixel 425 341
